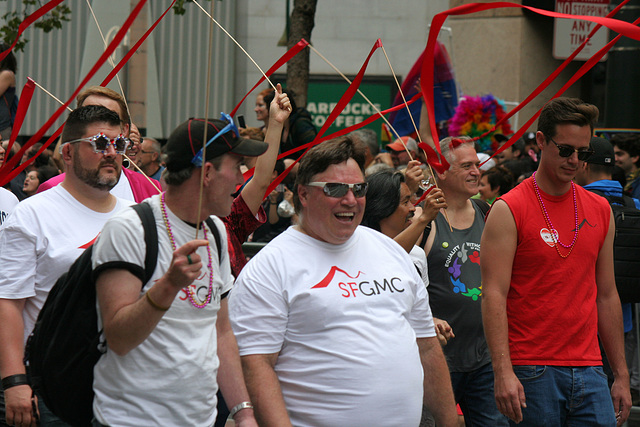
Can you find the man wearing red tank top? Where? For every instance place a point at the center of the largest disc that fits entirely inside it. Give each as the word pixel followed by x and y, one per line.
pixel 549 288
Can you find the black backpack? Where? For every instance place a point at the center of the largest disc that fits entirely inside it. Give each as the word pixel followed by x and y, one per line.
pixel 65 343
pixel 626 246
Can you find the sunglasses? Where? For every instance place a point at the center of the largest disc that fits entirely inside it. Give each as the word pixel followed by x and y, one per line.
pixel 339 189
pixel 567 151
pixel 197 159
pixel 101 142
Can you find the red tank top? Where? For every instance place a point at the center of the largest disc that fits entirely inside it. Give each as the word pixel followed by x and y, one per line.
pixel 551 305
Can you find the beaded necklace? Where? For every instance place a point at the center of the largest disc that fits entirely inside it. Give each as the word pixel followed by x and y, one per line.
pixel 192 296
pixel 552 231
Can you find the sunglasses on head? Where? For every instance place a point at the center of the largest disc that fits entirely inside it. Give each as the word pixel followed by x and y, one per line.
pixel 339 189
pixel 567 151
pixel 197 159
pixel 101 142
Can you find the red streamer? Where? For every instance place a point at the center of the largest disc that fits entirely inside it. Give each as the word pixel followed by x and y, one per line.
pixel 30 20
pixel 6 177
pixel 23 106
pixel 279 63
pixel 624 28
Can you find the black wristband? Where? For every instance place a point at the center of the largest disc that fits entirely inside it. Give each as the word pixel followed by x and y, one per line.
pixel 14 380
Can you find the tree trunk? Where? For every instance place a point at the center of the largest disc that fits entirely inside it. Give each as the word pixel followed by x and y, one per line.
pixel 301 25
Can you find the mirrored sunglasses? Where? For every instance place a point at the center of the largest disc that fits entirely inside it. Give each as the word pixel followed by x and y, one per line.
pixel 339 189
pixel 197 159
pixel 101 142
pixel 567 151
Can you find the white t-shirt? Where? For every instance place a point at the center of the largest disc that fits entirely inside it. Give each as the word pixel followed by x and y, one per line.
pixel 170 378
pixel 419 259
pixel 39 241
pixel 123 189
pixel 344 319
pixel 8 202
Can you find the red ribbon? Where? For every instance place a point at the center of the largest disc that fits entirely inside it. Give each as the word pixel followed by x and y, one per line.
pixel 547 82
pixel 279 63
pixel 30 20
pixel 342 103
pixel 624 28
pixel 23 106
pixel 135 47
pixel 6 177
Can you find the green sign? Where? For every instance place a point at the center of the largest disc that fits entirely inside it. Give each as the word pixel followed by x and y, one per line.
pixel 325 92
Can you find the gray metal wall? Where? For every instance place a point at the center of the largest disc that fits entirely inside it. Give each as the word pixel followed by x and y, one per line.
pixel 181 43
pixel 53 61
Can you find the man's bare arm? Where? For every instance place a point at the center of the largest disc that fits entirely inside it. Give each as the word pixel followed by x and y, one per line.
pixel 410 235
pixel 438 394
pixel 230 378
pixel 264 389
pixel 18 398
pixel 128 319
pixel 498 248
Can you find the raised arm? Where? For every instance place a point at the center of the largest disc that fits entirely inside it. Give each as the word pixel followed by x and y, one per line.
pixel 610 327
pixel 432 204
pixel 253 193
pixel 499 241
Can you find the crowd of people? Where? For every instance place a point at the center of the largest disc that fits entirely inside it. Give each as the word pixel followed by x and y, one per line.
pixel 387 293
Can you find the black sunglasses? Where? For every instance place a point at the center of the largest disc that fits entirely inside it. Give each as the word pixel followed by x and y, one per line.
pixel 567 151
pixel 339 189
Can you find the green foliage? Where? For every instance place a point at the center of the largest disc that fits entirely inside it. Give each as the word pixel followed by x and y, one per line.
pixel 13 19
pixel 179 9
pixel 50 21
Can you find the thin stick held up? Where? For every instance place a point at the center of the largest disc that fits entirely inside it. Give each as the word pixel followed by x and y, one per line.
pixel 235 41
pixel 435 182
pixel 110 60
pixel 206 117
pixel 364 96
pixel 50 94
pixel 143 174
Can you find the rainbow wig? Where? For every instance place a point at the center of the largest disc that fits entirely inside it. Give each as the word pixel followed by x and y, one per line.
pixel 477 115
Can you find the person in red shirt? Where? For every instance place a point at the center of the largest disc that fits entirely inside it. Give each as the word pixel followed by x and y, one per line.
pixel 549 289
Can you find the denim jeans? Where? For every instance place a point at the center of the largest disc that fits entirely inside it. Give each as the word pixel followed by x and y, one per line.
pixel 565 396
pixel 474 393
pixel 48 418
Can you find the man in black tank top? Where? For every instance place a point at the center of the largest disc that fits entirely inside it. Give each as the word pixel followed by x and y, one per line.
pixel 452 246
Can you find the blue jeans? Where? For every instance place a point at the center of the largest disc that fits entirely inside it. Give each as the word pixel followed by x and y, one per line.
pixel 565 396
pixel 48 418
pixel 474 393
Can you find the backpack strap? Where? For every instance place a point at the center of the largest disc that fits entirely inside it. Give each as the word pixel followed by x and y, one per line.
pixel 484 206
pixel 145 213
pixel 216 236
pixel 623 200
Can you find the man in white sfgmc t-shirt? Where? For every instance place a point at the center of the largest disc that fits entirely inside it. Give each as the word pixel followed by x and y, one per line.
pixel 332 320
pixel 44 235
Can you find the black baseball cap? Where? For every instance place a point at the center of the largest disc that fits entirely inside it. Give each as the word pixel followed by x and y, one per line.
pixel 186 141
pixel 602 152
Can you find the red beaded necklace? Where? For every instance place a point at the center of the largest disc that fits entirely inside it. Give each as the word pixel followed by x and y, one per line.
pixel 192 297
pixel 556 237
